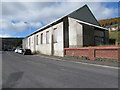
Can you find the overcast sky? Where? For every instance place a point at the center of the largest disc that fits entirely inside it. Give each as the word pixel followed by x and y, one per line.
pixel 37 14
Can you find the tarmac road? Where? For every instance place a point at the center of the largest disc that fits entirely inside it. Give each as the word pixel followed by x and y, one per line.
pixel 36 71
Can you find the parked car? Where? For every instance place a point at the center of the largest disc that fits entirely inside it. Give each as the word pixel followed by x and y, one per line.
pixel 16 50
pixel 20 51
pixel 26 52
pixel 13 49
pixel 10 49
pixel 23 51
pixel 6 49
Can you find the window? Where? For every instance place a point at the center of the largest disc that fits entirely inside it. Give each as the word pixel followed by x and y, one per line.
pixel 47 37
pixel 42 38
pixel 55 35
pixel 37 40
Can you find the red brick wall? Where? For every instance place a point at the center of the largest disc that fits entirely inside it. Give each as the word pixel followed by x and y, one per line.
pixel 106 53
pixel 77 52
pixel 92 52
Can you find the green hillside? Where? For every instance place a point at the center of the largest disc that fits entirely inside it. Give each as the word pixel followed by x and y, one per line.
pixel 8 43
pixel 115 35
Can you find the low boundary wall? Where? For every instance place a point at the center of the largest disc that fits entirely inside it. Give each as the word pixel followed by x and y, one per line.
pixel 94 52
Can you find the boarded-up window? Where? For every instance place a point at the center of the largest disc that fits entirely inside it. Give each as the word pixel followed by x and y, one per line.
pixel 42 38
pixel 55 35
pixel 37 40
pixel 47 37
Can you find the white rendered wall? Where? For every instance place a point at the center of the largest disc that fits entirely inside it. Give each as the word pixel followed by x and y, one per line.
pixel 75 33
pixel 46 48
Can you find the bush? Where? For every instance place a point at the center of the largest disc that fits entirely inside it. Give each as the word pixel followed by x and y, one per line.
pixel 106 59
pixel 78 57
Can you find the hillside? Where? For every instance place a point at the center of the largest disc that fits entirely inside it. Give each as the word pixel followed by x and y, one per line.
pixel 111 21
pixel 114 35
pixel 113 26
pixel 8 43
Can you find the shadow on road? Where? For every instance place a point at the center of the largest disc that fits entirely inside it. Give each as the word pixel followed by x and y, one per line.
pixel 12 80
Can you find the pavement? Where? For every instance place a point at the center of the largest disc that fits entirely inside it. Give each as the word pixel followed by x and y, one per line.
pixel 41 71
pixel 70 58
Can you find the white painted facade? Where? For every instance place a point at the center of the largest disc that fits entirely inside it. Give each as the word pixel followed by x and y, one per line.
pixel 114 27
pixel 49 46
pixel 75 33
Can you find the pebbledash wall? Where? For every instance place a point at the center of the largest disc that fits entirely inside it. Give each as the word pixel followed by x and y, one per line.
pixel 47 41
pixel 94 52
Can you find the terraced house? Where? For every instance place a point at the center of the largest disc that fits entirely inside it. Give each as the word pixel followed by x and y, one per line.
pixel 77 29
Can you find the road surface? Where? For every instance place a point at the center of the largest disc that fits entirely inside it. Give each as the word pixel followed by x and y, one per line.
pixel 36 71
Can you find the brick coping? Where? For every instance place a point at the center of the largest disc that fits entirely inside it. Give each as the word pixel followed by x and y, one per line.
pixel 112 47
